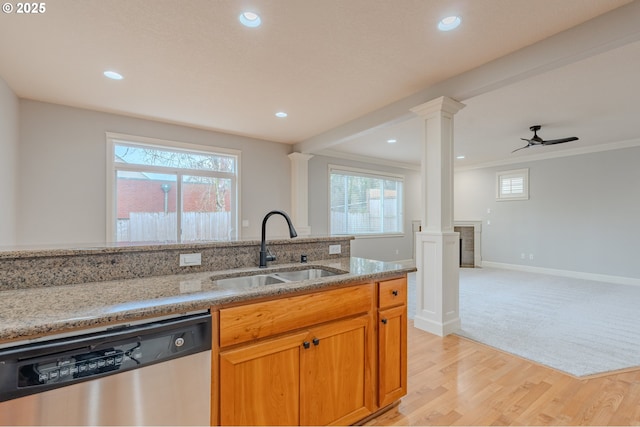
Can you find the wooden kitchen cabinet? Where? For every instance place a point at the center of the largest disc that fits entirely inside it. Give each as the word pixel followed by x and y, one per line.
pixel 318 375
pixel 334 382
pixel 314 377
pixel 331 357
pixel 392 341
pixel 260 383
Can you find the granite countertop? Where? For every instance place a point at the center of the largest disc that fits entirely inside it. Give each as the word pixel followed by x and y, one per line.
pixel 40 251
pixel 30 313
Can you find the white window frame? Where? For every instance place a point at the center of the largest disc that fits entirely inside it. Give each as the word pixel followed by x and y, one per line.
pixel 372 174
pixel 118 138
pixel 511 175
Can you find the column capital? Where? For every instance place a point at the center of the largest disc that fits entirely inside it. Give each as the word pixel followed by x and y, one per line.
pixel 300 156
pixel 439 105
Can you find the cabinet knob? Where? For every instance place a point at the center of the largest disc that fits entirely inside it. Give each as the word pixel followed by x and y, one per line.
pixel 395 293
pixel 306 344
pixel 384 321
pixel 316 341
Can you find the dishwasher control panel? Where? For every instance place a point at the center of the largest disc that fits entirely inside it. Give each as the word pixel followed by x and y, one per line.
pixel 68 368
pixel 37 367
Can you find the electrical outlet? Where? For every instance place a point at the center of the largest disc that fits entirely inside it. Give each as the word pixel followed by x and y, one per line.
pixel 335 249
pixel 397 251
pixel 522 255
pixel 531 257
pixel 190 259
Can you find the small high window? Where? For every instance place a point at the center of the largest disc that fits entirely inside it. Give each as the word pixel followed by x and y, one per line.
pixel 512 185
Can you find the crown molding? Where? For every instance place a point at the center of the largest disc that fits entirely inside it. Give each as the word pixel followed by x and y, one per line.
pixel 629 143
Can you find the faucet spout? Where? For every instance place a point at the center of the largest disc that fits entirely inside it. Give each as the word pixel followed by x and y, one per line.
pixel 265 256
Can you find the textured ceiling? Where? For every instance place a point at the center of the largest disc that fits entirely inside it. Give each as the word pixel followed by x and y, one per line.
pixel 324 62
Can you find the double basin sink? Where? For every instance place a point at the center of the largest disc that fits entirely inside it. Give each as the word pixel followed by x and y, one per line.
pixel 259 279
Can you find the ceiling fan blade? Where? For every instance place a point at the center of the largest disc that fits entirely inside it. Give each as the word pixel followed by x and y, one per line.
pixel 533 141
pixel 536 140
pixel 559 141
pixel 522 148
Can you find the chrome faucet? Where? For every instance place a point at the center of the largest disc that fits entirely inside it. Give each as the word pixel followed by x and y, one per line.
pixel 265 256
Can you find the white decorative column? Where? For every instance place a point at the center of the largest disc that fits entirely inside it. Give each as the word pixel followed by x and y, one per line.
pixel 437 245
pixel 300 192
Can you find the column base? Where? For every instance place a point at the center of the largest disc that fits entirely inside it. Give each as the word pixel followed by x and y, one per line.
pixel 437 328
pixel 437 282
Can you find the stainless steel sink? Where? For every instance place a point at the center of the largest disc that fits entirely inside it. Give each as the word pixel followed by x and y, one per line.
pixel 261 279
pixel 245 282
pixel 311 273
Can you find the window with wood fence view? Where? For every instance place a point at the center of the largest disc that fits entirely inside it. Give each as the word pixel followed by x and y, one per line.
pixel 365 203
pixel 172 195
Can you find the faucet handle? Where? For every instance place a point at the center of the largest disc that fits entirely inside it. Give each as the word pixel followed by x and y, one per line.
pixel 270 255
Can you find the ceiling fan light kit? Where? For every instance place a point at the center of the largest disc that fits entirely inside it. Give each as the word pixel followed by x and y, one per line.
pixel 536 140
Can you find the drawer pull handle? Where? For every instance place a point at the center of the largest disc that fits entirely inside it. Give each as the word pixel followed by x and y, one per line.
pixel 316 341
pixel 384 321
pixel 395 293
pixel 306 344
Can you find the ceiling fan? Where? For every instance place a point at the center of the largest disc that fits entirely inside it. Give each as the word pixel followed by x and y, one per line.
pixel 536 140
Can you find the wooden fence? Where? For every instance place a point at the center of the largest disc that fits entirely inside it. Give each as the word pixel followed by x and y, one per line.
pixel 161 227
pixel 363 223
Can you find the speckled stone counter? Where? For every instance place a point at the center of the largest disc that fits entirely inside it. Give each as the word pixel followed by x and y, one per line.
pixel 40 267
pixel 32 312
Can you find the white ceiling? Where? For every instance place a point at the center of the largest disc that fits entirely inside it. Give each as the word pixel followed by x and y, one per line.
pixel 324 62
pixel 595 99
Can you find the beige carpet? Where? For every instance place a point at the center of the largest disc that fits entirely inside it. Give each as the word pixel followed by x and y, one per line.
pixel 581 327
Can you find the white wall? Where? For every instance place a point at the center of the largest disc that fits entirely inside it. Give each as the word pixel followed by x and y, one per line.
pixel 582 216
pixel 62 172
pixel 8 162
pixel 382 248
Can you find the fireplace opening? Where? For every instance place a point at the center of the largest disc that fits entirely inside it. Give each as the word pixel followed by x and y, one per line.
pixel 467 255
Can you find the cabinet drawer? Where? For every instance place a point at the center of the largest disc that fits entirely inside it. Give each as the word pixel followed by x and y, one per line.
pixel 392 292
pixel 254 321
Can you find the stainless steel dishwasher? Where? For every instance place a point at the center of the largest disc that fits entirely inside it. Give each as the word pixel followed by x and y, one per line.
pixel 156 373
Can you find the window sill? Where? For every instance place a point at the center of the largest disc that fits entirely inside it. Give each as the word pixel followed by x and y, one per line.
pixel 370 236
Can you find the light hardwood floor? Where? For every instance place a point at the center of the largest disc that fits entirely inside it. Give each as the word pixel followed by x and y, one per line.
pixel 455 381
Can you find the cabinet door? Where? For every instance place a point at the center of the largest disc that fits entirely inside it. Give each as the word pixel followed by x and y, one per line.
pixel 392 354
pixel 260 383
pixel 334 384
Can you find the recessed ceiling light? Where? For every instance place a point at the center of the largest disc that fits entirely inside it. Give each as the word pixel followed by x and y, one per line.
pixel 392 141
pixel 449 23
pixel 459 157
pixel 250 19
pixel 113 75
pixel 281 114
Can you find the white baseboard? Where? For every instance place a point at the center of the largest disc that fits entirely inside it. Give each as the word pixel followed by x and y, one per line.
pixel 436 328
pixel 619 280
